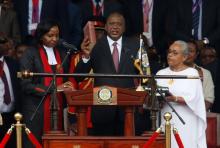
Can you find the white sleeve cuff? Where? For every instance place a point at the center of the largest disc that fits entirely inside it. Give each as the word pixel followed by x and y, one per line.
pixel 85 60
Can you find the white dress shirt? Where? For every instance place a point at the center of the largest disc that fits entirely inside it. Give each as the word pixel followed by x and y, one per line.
pixel 32 26
pixel 119 45
pixel 148 34
pixel 3 107
pixel 110 42
pixel 101 4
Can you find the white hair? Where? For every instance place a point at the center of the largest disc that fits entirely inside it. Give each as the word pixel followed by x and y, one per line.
pixel 184 46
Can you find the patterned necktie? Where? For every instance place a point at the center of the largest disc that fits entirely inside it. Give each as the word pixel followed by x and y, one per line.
pixel 195 19
pixel 145 15
pixel 115 56
pixel 35 11
pixel 7 97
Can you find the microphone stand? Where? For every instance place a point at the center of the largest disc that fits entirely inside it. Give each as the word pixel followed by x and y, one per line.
pixel 169 104
pixel 152 103
pixel 54 104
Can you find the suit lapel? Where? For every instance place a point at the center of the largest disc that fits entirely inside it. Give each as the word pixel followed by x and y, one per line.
pixel 11 69
pixel 124 51
pixel 107 54
pixel 43 9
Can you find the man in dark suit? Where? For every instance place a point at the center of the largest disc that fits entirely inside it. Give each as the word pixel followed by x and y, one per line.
pixel 9 95
pixel 90 11
pixel 47 9
pixel 112 54
pixel 157 13
pixel 182 21
pixel 9 22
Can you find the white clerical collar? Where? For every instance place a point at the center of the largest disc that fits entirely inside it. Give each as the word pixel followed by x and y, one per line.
pixel 50 55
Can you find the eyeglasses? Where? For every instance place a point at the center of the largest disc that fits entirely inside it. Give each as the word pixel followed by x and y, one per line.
pixel 173 52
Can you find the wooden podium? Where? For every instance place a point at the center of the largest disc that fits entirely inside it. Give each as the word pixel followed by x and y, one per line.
pixel 126 98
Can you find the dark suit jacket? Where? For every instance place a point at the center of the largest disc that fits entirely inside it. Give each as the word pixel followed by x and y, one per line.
pixel 31 96
pixel 180 21
pixel 31 61
pixel 51 9
pixel 87 9
pixel 75 20
pixel 13 69
pixel 101 62
pixel 8 118
pixel 134 21
pixel 9 24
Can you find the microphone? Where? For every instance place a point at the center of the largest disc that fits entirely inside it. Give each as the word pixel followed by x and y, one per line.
pixel 67 45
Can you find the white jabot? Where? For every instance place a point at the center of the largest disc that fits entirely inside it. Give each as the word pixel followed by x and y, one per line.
pixel 3 107
pixel 50 55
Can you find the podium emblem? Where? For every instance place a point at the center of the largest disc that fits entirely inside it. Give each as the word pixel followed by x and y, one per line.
pixel 104 96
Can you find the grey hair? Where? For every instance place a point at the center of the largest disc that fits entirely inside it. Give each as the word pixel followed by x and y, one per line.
pixel 184 46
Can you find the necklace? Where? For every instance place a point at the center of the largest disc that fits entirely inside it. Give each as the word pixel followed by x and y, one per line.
pixel 170 81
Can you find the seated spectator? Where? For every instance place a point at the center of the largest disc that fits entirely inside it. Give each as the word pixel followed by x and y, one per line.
pixel 209 60
pixel 205 75
pixel 19 50
pixel 208 55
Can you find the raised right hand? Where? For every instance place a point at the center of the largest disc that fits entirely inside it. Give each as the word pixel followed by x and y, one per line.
pixel 85 46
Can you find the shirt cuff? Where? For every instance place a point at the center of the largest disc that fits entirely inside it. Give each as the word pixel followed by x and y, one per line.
pixel 85 60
